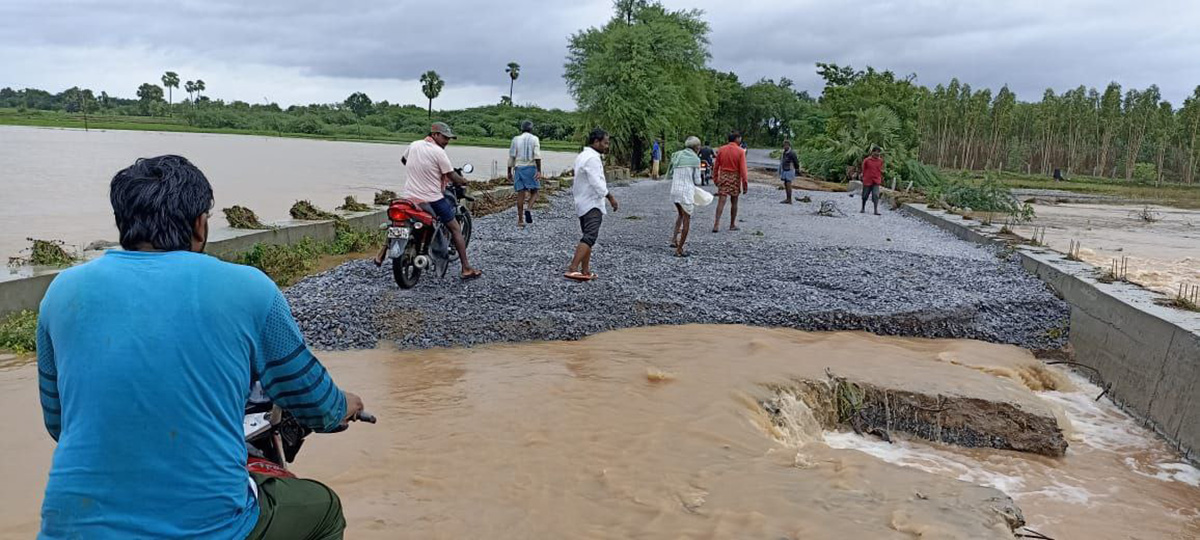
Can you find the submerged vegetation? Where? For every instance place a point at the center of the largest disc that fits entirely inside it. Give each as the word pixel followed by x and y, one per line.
pixel 240 217
pixel 352 205
pixel 307 211
pixel 385 197
pixel 46 253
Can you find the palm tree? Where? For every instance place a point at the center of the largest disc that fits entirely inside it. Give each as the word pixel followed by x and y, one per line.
pixel 514 71
pixel 199 87
pixel 431 86
pixel 170 80
pixel 190 87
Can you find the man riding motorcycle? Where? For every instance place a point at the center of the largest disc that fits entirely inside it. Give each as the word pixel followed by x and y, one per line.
pixel 146 358
pixel 429 170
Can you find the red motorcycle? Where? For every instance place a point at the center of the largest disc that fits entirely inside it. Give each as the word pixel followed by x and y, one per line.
pixel 417 242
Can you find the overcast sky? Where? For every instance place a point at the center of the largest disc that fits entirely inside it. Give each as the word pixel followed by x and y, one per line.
pixel 303 51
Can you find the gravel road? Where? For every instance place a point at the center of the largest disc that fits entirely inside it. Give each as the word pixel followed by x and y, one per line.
pixel 786 267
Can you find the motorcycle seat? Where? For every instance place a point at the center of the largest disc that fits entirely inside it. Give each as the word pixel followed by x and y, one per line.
pixel 415 210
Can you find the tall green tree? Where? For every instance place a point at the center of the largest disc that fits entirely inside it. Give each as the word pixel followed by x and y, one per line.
pixel 1159 135
pixel 170 80
pixel 200 88
pixel 1140 107
pixel 642 75
pixel 190 88
pixel 513 70
pixel 1189 134
pixel 431 86
pixel 1110 122
pixel 1001 122
pixel 148 94
pixel 359 104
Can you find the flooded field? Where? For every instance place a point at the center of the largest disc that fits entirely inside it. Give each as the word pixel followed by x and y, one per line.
pixel 1162 243
pixel 661 433
pixel 54 182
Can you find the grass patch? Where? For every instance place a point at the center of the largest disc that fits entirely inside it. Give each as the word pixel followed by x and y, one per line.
pixel 352 205
pixel 18 332
pixel 1182 303
pixel 34 118
pixel 307 211
pixel 46 253
pixel 240 217
pixel 284 264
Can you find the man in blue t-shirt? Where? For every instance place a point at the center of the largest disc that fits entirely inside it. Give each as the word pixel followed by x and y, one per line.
pixel 145 362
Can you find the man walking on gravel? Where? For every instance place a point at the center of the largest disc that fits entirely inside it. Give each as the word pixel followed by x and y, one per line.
pixel 789 165
pixel 146 358
pixel 525 170
pixel 872 178
pixel 732 179
pixel 655 158
pixel 590 191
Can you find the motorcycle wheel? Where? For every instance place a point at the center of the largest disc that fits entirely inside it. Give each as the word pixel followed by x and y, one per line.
pixel 404 270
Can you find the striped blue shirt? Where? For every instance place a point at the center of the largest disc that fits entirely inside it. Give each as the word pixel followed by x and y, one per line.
pixel 145 361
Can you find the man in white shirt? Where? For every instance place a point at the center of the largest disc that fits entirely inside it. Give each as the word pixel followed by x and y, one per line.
pixel 429 171
pixel 590 191
pixel 525 160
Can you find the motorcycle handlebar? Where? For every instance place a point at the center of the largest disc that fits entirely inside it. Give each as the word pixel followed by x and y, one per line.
pixel 364 416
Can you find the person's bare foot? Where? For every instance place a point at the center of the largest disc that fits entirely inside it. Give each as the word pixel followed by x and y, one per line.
pixel 735 228
pixel 878 214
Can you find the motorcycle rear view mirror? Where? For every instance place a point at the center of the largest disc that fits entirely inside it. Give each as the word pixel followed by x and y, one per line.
pixel 468 169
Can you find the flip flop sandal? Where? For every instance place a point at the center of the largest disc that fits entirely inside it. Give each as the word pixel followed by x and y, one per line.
pixel 577 276
pixel 474 274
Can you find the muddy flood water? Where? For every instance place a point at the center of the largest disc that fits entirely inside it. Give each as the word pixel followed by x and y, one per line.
pixel 54 182
pixel 659 433
pixel 1162 243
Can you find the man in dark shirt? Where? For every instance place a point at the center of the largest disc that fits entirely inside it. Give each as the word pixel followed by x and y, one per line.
pixel 709 157
pixel 789 166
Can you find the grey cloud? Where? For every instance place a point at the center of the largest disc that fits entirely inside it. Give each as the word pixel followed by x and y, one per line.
pixel 1028 44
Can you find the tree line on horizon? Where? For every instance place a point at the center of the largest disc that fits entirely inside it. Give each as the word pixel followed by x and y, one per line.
pixel 644 75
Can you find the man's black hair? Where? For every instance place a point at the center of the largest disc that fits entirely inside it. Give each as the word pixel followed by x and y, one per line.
pixel 733 136
pixel 526 126
pixel 156 201
pixel 596 136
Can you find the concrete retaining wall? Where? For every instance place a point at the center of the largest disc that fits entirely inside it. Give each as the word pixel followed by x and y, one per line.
pixel 23 289
pixel 1149 353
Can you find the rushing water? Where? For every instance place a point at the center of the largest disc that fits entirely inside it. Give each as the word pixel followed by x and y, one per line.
pixel 54 182
pixel 1161 253
pixel 658 433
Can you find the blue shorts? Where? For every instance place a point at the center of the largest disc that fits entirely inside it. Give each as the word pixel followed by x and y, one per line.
pixel 787 175
pixel 525 178
pixel 443 210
